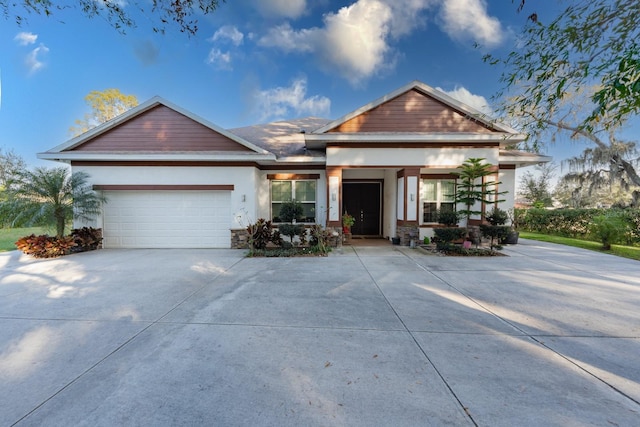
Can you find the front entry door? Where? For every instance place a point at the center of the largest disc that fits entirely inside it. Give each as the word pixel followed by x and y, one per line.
pixel 362 200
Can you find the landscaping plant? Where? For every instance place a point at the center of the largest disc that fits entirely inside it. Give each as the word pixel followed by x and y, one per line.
pixel 45 246
pixel 607 229
pixel 473 189
pixel 496 231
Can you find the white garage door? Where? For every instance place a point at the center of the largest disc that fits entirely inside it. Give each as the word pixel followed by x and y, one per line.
pixel 167 219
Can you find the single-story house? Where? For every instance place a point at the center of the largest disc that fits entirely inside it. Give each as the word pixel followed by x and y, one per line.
pixel 175 180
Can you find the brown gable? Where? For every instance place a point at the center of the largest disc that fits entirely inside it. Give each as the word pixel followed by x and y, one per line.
pixel 160 129
pixel 412 111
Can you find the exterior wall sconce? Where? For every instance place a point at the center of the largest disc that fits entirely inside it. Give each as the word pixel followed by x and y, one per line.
pixel 412 197
pixel 244 198
pixel 334 197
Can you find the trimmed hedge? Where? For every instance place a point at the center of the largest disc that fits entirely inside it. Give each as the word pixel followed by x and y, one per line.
pixel 577 223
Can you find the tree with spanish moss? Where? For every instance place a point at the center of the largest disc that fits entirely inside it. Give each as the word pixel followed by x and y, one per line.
pixel 576 74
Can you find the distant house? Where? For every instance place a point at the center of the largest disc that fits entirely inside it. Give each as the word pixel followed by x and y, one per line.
pixel 175 180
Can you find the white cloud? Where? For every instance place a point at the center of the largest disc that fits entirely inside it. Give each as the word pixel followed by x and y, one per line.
pixel 24 38
pixel 229 32
pixel 353 41
pixel 292 9
pixel 282 102
pixel 357 40
pixel 219 59
pixel 33 61
pixel 468 19
pixel 463 95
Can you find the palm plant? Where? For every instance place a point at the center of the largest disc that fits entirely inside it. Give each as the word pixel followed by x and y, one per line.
pixel 45 197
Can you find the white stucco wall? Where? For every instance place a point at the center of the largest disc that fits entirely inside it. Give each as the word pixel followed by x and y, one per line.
pixel 242 178
pixel 399 157
pixel 508 179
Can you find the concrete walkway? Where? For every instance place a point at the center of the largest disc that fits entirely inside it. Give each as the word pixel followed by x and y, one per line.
pixel 367 336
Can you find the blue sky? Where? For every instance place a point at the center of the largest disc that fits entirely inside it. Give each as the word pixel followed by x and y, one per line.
pixel 252 61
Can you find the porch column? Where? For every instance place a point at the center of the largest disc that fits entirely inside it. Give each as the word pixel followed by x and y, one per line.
pixel 407 227
pixel 334 196
pixel 408 196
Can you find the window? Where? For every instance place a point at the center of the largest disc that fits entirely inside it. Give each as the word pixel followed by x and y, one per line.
pixel 302 191
pixel 437 194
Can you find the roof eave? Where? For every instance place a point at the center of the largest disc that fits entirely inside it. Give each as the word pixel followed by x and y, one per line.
pixel 131 157
pixel 315 141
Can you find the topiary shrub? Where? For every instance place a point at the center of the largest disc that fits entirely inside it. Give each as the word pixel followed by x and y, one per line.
pixel 443 237
pixel 448 218
pixel 45 246
pixel 290 211
pixel 291 230
pixel 497 217
pixel 496 233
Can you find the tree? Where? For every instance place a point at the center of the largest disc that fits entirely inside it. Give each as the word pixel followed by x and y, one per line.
pixel 589 42
pixel 600 178
pixel 44 197
pixel 535 189
pixel 474 188
pixel 10 165
pixel 119 14
pixel 105 105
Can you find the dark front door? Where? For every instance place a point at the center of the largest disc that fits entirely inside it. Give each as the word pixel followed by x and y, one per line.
pixel 362 200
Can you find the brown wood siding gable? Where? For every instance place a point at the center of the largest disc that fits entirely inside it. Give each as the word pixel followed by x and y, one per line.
pixel 412 111
pixel 160 129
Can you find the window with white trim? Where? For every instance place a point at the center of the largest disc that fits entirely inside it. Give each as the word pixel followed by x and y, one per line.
pixel 435 195
pixel 302 191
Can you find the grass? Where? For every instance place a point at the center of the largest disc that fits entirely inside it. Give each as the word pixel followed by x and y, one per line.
pixel 631 252
pixel 8 236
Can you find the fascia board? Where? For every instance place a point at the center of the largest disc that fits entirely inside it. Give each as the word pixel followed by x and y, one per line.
pixel 222 157
pixel 320 141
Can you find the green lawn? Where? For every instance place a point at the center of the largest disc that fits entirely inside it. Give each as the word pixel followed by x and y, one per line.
pixel 8 236
pixel 631 252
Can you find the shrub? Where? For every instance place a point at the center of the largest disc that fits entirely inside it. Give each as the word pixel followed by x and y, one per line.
pixel 45 246
pixel 497 217
pixel 496 233
pixel 319 239
pixel 291 230
pixel 290 211
pixel 86 239
pixel 448 218
pixel 443 237
pixel 259 234
pixel 576 223
pixel 607 229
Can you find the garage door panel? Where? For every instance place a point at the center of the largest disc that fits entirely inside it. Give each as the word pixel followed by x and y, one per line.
pixel 167 219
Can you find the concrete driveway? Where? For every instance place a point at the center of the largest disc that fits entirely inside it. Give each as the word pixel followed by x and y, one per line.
pixel 370 336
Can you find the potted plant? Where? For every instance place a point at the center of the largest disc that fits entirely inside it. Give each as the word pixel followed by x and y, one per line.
pixel 347 223
pixel 515 217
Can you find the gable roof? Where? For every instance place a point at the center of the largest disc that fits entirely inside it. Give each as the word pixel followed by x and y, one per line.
pixel 414 112
pixel 156 129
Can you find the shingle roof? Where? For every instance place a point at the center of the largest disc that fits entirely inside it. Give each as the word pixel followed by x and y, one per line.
pixel 285 138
